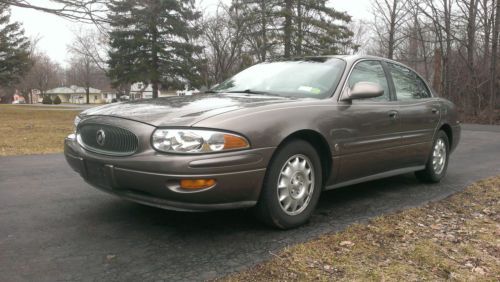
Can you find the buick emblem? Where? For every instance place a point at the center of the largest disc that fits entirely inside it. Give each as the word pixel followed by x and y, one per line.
pixel 101 137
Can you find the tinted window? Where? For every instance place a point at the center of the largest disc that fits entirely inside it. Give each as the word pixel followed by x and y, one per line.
pixel 313 78
pixel 370 71
pixel 408 85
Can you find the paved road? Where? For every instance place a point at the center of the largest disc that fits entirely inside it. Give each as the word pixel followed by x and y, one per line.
pixel 55 227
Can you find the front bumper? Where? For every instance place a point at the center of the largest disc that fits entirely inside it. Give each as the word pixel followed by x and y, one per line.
pixel 457 135
pixel 150 177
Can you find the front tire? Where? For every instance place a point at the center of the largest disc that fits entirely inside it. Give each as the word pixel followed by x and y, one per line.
pixel 292 186
pixel 437 165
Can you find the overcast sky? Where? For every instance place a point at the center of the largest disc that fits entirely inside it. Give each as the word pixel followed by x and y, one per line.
pixel 56 33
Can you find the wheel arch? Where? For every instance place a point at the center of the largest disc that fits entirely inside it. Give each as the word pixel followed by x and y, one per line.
pixel 449 133
pixel 320 144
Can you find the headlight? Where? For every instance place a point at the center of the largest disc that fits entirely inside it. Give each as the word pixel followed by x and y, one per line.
pixel 76 122
pixel 186 141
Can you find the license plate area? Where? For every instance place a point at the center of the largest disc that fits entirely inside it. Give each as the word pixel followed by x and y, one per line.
pixel 97 174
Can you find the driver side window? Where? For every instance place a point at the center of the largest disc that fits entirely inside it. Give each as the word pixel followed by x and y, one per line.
pixel 370 71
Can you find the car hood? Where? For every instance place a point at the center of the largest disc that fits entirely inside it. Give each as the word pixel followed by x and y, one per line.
pixel 182 111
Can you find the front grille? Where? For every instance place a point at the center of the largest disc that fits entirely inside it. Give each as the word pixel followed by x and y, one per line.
pixel 114 141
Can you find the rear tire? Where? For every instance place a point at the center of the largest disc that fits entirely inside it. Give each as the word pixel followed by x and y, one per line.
pixel 292 186
pixel 437 165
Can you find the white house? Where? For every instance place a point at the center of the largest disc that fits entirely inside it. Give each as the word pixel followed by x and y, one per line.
pixel 187 91
pixel 77 95
pixel 145 91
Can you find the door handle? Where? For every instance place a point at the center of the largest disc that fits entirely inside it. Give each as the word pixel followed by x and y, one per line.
pixel 435 111
pixel 393 114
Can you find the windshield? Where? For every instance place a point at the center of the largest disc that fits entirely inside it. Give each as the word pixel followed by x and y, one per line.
pixel 314 78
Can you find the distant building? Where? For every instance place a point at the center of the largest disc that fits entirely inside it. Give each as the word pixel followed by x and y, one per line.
pixel 18 98
pixel 145 91
pixel 77 95
pixel 187 91
pixel 35 96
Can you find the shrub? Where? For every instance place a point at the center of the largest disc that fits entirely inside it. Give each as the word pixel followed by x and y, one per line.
pixel 46 100
pixel 57 100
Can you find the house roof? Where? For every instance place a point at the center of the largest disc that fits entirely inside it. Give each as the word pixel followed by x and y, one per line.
pixel 73 90
pixel 141 88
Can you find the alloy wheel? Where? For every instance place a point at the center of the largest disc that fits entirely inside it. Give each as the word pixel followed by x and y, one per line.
pixel 439 156
pixel 296 184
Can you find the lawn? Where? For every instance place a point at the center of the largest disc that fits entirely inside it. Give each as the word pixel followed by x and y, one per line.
pixel 33 130
pixel 454 239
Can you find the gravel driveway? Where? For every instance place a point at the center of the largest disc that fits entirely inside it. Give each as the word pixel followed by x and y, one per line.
pixel 53 226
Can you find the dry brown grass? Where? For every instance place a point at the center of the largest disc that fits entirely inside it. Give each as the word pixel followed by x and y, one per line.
pixel 32 130
pixel 455 239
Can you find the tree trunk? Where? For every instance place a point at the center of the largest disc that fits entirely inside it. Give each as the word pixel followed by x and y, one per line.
pixel 155 89
pixel 155 77
pixel 493 67
pixel 413 44
pixel 300 33
pixel 438 70
pixel 288 28
pixel 487 31
pixel 446 57
pixel 87 79
pixel 392 30
pixel 471 37
pixel 263 54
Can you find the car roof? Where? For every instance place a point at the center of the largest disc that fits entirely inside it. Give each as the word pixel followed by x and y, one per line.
pixel 353 58
pixel 347 58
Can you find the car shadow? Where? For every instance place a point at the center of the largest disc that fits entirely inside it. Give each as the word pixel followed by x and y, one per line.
pixel 344 205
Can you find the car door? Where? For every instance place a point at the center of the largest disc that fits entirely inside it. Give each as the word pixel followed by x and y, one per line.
pixel 367 131
pixel 419 112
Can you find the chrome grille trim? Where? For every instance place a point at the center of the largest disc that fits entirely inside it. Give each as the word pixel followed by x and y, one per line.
pixel 119 141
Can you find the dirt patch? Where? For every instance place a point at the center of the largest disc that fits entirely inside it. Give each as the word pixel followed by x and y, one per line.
pixel 455 239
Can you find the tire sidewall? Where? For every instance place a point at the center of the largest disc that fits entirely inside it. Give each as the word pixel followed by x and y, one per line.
pixel 437 177
pixel 269 194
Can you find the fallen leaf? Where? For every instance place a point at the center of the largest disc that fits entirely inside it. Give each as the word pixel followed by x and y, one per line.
pixel 479 270
pixel 436 226
pixel 346 244
pixel 110 257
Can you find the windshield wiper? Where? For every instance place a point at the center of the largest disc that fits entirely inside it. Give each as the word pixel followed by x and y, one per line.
pixel 249 91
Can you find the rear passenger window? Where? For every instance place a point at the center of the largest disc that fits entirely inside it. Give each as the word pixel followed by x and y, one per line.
pixel 370 71
pixel 407 83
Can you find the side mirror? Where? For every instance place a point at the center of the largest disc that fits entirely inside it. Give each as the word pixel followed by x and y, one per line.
pixel 363 90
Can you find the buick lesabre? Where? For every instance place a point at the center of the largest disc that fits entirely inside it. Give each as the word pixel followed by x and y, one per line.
pixel 271 138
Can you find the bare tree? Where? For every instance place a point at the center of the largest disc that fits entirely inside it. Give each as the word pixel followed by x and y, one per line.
pixel 88 64
pixel 440 15
pixel 92 44
pixel 223 39
pixel 390 16
pixel 88 11
pixel 81 72
pixel 44 75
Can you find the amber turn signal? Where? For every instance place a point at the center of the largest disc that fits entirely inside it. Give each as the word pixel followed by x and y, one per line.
pixel 193 184
pixel 234 142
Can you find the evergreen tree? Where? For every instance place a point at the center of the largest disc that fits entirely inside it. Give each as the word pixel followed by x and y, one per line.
pixel 152 41
pixel 294 27
pixel 14 49
pixel 258 18
pixel 317 28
